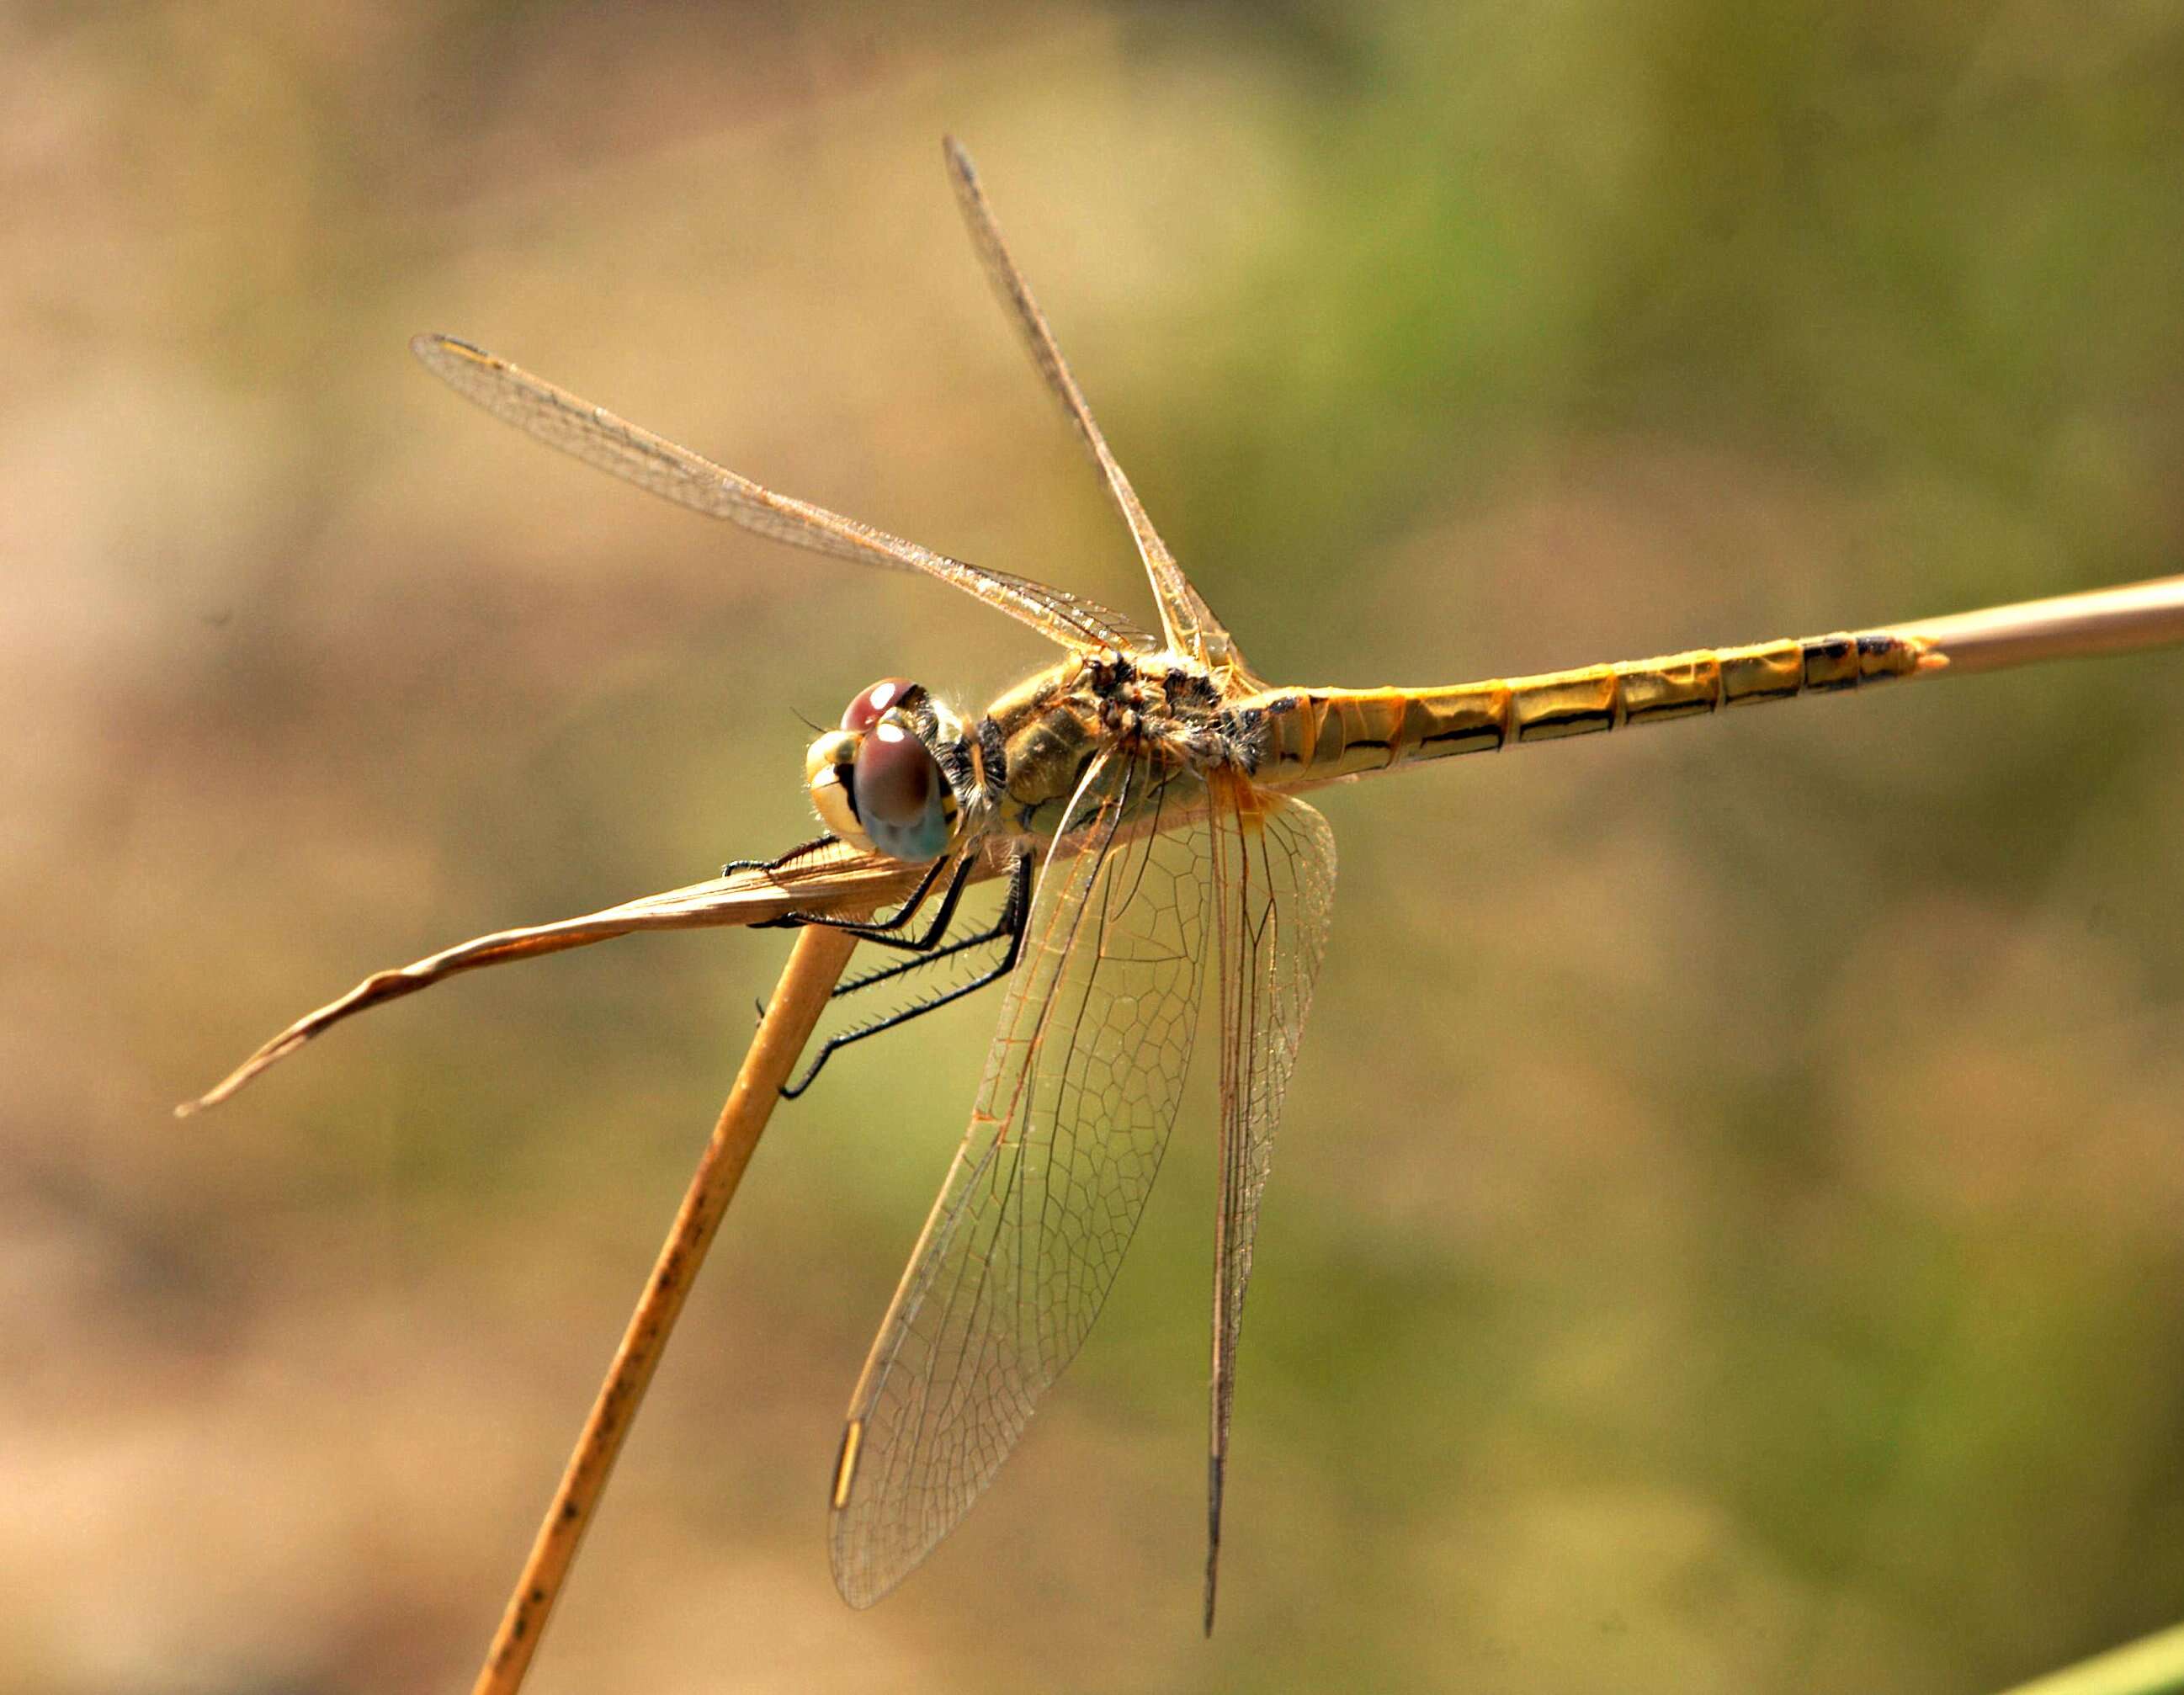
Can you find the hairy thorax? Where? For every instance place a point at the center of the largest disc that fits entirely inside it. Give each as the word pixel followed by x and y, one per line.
pixel 1163 715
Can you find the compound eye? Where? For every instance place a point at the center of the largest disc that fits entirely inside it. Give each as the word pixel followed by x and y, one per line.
pixel 863 712
pixel 900 794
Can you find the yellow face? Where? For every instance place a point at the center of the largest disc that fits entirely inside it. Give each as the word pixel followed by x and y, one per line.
pixel 876 783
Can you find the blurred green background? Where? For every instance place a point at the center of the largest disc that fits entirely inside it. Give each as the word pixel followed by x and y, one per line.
pixel 1729 1233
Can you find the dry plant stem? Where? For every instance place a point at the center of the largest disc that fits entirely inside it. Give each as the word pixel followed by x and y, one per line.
pixel 814 964
pixel 2106 620
pixel 835 882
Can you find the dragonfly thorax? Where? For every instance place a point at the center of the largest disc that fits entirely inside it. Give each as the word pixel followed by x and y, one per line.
pixel 1039 744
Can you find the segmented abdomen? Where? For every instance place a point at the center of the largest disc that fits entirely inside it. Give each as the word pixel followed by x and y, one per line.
pixel 1314 735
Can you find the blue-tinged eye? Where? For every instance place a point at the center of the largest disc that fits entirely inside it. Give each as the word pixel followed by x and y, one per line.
pixel 900 794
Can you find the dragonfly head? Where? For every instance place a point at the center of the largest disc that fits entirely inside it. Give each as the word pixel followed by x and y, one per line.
pixel 883 781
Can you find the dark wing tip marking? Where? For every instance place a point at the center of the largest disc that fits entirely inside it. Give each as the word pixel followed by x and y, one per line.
pixel 1214 1468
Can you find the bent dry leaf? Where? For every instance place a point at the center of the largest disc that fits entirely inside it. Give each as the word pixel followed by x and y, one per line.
pixel 838 881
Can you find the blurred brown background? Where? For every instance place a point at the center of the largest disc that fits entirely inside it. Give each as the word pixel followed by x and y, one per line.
pixel 1727 1234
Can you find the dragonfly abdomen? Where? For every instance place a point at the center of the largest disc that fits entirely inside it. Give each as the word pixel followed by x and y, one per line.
pixel 1316 735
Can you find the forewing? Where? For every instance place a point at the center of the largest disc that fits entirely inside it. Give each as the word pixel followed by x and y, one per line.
pixel 598 438
pixel 1190 624
pixel 1081 1088
pixel 1273 861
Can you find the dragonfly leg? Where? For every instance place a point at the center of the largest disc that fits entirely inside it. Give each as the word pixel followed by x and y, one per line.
pixel 886 931
pixel 1008 926
pixel 795 854
pixel 788 920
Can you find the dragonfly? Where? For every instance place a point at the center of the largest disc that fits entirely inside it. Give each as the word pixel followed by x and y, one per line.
pixel 1142 795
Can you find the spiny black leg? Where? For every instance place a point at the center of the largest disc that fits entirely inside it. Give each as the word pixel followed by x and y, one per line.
pixel 921 962
pixel 882 931
pixel 769 865
pixel 795 853
pixel 1016 912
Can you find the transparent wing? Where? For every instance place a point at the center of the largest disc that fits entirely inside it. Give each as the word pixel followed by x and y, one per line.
pixel 598 438
pixel 1190 624
pixel 1080 1090
pixel 1274 872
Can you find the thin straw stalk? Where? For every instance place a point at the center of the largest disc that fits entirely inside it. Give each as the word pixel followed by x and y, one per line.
pixel 2106 621
pixel 814 964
